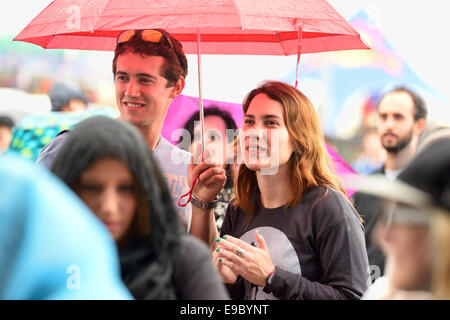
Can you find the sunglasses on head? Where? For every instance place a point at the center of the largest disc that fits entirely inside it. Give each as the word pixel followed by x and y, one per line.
pixel 149 35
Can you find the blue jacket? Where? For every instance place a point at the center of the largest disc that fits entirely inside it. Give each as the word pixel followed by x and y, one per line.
pixel 51 245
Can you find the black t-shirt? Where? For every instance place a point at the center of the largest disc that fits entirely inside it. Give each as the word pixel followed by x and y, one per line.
pixel 317 247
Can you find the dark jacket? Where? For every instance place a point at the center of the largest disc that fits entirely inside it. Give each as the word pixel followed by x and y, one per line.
pixel 370 208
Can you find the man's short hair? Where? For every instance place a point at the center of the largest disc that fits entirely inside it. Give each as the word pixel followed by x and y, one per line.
pixel 62 93
pixel 6 121
pixel 420 108
pixel 175 60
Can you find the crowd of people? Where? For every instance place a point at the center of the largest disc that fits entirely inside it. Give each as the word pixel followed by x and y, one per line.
pixel 269 219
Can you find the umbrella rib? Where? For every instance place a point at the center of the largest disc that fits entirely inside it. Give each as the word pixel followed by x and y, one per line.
pixel 238 9
pixel 281 43
pixel 98 17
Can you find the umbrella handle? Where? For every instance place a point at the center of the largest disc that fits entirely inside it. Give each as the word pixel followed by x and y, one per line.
pixel 189 193
pixel 200 97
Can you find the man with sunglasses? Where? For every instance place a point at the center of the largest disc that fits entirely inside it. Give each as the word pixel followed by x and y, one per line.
pixel 150 68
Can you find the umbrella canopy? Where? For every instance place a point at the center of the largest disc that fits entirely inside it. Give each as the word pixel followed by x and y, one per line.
pixel 253 27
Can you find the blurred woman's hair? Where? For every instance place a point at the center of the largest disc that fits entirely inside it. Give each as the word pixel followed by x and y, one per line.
pixel 310 162
pixel 440 231
pixel 155 231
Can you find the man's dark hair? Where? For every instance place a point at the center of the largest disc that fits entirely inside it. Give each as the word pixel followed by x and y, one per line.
pixel 175 62
pixel 62 93
pixel 420 108
pixel 6 121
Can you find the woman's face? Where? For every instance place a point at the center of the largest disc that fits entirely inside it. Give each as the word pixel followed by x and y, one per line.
pixel 407 248
pixel 215 137
pixel 265 136
pixel 108 189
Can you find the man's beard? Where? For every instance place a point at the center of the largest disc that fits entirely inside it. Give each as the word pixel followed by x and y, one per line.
pixel 400 145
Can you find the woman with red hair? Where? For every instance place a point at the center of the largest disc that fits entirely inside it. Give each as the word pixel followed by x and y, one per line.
pixel 291 232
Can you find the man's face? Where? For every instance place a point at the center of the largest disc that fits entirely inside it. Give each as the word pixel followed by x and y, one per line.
pixel 5 138
pixel 142 94
pixel 396 125
pixel 215 137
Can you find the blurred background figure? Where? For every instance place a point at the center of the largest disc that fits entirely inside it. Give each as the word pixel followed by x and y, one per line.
pixel 67 96
pixel 109 165
pixel 414 230
pixel 6 127
pixel 220 143
pixel 51 247
pixel 433 131
pixel 401 121
pixel 372 155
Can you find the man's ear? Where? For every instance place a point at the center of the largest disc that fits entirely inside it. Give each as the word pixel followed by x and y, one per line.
pixel 178 87
pixel 420 126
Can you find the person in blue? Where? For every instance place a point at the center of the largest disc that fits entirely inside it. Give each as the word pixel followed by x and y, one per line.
pixel 52 246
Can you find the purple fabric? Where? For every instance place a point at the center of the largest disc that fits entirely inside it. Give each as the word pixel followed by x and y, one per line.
pixel 342 168
pixel 183 107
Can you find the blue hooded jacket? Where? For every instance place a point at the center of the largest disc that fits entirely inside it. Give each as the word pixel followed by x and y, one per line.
pixel 51 245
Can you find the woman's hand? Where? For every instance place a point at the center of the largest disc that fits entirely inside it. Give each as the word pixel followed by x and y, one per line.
pixel 211 178
pixel 228 276
pixel 252 263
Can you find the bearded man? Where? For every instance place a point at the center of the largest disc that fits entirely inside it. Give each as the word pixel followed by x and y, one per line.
pixel 401 120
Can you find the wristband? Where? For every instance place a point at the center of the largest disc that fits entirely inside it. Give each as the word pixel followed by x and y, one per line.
pixel 268 287
pixel 203 204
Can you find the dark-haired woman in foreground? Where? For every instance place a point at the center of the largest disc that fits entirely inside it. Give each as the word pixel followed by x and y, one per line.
pixel 108 164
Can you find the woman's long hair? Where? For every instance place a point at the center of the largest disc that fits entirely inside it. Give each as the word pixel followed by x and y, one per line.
pixel 147 262
pixel 440 230
pixel 310 163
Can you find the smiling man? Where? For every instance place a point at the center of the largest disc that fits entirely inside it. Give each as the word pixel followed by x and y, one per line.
pixel 150 68
pixel 401 120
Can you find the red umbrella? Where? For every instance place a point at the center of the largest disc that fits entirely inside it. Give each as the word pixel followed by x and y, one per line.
pixel 256 27
pixel 225 27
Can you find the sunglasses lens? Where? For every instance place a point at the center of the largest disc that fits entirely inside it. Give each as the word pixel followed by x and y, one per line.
pixel 151 35
pixel 125 36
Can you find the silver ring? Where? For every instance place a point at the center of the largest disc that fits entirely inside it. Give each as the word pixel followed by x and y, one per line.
pixel 240 252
